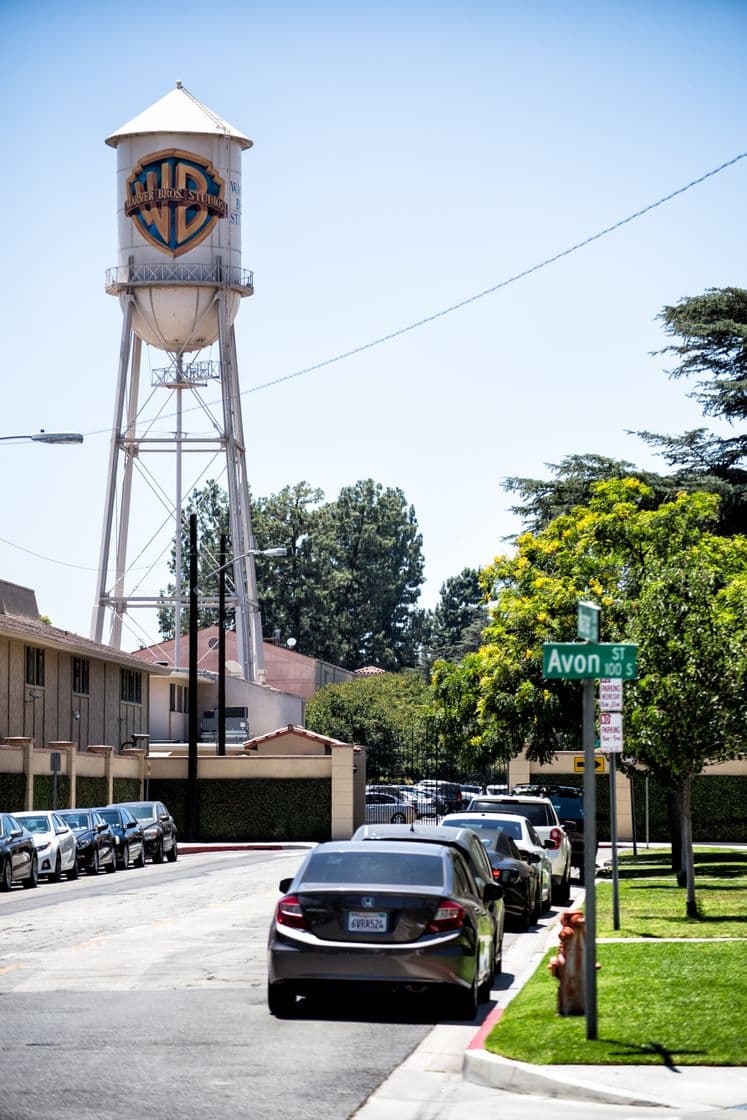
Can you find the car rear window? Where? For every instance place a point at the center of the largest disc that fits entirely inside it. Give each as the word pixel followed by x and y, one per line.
pixel 537 814
pixel 391 868
pixel 569 808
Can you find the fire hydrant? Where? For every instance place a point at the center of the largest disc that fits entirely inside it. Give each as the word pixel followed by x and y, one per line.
pixel 568 966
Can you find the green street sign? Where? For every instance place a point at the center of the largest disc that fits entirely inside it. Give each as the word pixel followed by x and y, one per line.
pixel 579 661
pixel 587 621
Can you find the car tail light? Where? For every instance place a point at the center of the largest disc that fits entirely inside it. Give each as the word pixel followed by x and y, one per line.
pixel 288 912
pixel 497 874
pixel 556 837
pixel 450 915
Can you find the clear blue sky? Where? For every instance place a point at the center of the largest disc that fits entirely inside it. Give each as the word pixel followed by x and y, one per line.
pixel 406 156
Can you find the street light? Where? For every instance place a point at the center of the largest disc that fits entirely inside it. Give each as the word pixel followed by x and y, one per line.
pixel 46 437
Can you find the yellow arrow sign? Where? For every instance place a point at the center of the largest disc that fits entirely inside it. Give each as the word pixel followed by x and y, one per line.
pixel 578 764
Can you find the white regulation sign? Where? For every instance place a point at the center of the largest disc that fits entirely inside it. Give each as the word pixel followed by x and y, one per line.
pixel 610 732
pixel 610 695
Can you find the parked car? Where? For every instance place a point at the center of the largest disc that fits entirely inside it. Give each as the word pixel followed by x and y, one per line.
pixel 569 805
pixel 532 849
pixel 520 878
pixel 388 808
pixel 56 846
pixel 469 791
pixel 464 841
pixel 129 838
pixel 362 912
pixel 159 828
pixel 19 862
pixel 541 812
pixel 95 840
pixel 450 792
pixel 425 805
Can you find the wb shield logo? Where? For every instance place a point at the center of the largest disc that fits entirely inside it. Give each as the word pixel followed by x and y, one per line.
pixel 175 198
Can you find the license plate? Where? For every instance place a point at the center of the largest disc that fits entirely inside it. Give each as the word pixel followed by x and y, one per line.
pixel 362 921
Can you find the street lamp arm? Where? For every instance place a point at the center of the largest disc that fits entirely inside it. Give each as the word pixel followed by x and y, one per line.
pixel 250 552
pixel 46 437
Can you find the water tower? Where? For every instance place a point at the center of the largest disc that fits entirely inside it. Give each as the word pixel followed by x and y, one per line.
pixel 179 282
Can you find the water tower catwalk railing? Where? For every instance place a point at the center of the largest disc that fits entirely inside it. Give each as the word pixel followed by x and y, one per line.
pixel 132 275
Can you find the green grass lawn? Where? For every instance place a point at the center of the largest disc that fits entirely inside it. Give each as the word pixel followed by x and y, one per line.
pixel 652 905
pixel 657 1001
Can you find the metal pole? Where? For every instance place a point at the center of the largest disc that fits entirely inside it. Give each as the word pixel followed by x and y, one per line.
pixel 590 856
pixel 222 646
pixel 192 809
pixel 613 836
pixel 632 813
pixel 645 792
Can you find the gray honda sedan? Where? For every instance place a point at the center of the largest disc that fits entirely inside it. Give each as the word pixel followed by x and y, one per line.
pixel 384 915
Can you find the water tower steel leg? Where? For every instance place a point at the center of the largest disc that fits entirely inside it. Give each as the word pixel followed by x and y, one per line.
pixel 97 629
pixel 128 447
pixel 248 627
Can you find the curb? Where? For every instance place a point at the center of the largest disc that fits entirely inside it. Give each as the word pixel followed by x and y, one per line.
pixel 496 1072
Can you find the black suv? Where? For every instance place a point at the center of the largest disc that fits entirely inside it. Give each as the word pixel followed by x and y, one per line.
pixel 569 805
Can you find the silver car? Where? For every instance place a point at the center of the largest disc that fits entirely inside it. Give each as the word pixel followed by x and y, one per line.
pixel 388 808
pixel 55 844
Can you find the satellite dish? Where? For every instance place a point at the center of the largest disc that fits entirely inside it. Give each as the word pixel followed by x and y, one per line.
pixel 233 668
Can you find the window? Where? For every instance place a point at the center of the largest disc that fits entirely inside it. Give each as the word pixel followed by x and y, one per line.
pixel 131 686
pixel 178 698
pixel 34 666
pixel 80 675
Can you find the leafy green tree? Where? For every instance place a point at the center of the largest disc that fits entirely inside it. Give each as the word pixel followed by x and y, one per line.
pixel 621 553
pixel 346 588
pixel 711 347
pixel 685 706
pixel 386 712
pixel 210 505
pixel 294 588
pixel 457 622
pixel 371 551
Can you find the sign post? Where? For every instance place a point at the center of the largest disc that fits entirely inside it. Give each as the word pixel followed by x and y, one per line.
pixel 611 743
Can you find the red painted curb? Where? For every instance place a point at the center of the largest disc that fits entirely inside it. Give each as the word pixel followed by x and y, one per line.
pixel 478 1042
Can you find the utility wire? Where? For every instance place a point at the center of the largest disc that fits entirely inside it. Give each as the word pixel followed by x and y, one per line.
pixel 502 284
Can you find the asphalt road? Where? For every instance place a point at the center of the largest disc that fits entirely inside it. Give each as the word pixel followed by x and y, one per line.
pixel 142 994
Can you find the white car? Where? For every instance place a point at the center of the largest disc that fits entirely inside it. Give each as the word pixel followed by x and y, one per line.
pixel 524 835
pixel 55 843
pixel 388 808
pixel 541 812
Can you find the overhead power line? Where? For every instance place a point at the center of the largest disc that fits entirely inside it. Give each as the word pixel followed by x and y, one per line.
pixel 501 284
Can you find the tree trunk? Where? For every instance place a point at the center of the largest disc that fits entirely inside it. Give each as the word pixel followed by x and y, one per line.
pixel 688 863
pixel 674 814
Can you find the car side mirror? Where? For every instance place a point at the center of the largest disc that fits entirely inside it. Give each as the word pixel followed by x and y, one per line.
pixel 101 827
pixel 284 885
pixel 569 825
pixel 492 892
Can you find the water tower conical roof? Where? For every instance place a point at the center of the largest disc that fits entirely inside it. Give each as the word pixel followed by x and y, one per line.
pixel 178 111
